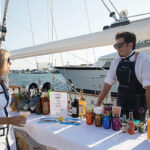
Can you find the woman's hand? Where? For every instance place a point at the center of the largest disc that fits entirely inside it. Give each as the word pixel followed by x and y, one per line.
pixel 17 121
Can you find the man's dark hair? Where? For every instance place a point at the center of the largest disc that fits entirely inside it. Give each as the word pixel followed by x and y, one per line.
pixel 128 37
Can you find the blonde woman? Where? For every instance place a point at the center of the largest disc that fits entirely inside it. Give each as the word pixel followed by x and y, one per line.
pixel 7 139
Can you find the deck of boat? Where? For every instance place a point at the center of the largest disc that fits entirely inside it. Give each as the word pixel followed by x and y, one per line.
pixel 25 142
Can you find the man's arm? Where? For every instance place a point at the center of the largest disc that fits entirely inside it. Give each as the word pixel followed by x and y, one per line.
pixel 148 97
pixel 104 93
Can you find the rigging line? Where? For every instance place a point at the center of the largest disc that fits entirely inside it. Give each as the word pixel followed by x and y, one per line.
pixel 139 15
pixel 86 10
pixel 27 29
pixel 52 20
pixel 29 62
pixel 53 27
pixel 39 36
pixel 106 6
pixel 30 22
pixel 48 18
pixel 3 26
pixel 79 57
pixel 114 7
pixel 32 37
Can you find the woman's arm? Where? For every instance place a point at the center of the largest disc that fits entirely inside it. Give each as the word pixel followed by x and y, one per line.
pixel 16 121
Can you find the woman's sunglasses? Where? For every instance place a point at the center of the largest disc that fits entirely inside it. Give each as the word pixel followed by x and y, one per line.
pixel 8 60
pixel 119 45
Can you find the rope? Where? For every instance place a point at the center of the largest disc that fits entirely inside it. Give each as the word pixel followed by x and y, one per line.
pixel 139 15
pixel 106 6
pixel 114 7
pixel 27 29
pixel 33 38
pixel 89 27
pixel 30 22
pixel 48 18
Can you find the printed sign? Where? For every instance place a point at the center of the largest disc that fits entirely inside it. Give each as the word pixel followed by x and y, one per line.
pixel 58 103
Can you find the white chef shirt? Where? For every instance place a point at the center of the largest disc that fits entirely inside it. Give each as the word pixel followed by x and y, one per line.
pixel 142 69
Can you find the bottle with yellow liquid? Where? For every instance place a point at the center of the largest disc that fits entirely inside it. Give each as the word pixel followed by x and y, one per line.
pixel 81 105
pixel 148 129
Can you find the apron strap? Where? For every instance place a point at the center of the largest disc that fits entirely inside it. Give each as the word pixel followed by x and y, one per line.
pixel 136 54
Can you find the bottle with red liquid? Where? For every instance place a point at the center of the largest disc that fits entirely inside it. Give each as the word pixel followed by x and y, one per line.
pixel 130 124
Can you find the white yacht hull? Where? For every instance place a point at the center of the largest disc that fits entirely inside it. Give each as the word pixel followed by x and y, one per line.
pixel 89 79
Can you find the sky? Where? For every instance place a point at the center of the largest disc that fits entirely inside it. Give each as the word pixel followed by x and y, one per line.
pixel 70 20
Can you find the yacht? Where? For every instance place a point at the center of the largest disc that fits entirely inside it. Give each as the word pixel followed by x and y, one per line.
pixel 90 78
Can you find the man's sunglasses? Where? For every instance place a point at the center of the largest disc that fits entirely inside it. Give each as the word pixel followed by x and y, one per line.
pixel 8 60
pixel 119 45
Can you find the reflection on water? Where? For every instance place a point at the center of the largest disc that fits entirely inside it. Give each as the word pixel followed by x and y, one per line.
pixel 26 79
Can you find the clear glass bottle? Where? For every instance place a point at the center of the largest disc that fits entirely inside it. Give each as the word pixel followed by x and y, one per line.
pixel 124 124
pixel 130 124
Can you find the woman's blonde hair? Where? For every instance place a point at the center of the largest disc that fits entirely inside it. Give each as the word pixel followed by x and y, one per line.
pixel 3 57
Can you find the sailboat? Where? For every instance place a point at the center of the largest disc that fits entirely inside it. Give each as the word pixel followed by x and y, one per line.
pixel 89 78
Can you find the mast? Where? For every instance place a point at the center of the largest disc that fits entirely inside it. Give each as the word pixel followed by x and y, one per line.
pixel 3 26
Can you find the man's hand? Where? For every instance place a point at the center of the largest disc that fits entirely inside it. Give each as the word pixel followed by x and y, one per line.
pixel 103 93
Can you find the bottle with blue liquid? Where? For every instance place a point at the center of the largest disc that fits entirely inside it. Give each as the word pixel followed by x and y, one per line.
pixel 107 122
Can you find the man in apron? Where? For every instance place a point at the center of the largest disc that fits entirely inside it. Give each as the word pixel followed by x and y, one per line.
pixel 132 71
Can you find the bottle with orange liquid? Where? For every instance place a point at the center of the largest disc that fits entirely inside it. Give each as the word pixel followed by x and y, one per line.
pixel 89 115
pixel 45 104
pixel 148 129
pixel 130 124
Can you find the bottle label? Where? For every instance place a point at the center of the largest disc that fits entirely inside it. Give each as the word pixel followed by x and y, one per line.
pixel 124 127
pixel 74 110
pixel 81 106
pixel 80 109
pixel 130 127
pixel 45 108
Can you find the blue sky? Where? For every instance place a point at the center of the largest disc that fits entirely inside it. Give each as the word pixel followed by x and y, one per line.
pixel 70 20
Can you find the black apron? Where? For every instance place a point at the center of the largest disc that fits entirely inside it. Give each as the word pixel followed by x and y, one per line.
pixel 5 109
pixel 131 94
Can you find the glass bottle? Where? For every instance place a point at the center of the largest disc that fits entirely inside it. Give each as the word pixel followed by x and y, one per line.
pixel 19 95
pixel 75 110
pixel 116 123
pixel 130 124
pixel 148 129
pixel 45 104
pixel 124 124
pixel 98 111
pixel 89 115
pixel 81 105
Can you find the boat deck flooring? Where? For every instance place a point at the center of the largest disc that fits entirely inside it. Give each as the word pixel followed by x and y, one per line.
pixel 26 142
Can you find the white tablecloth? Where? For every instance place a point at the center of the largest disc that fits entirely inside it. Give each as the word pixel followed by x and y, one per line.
pixel 83 137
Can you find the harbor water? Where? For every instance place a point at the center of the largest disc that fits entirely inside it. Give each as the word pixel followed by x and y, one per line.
pixel 39 79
